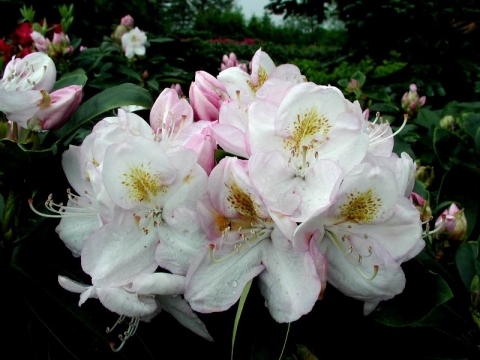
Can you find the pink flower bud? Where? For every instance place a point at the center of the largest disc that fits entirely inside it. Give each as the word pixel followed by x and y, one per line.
pixel 206 96
pixel 422 206
pixel 231 61
pixel 177 88
pixel 41 43
pixel 169 113
pixel 127 21
pixel 56 108
pixel 453 222
pixel 204 145
pixel 366 114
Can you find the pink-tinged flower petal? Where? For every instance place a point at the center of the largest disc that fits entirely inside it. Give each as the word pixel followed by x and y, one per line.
pixel 369 185
pixel 182 312
pixel 261 128
pixel 262 67
pixel 180 241
pixel 354 278
pixel 200 138
pixel 158 284
pixel 214 286
pixel 63 104
pixel 290 282
pixel 119 251
pixel 273 179
pixel 238 84
pixel 170 113
pixel 20 106
pixel 126 303
pixel 137 173
pixel 86 291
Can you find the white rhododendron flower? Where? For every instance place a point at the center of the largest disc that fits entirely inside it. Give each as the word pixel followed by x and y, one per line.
pixel 133 43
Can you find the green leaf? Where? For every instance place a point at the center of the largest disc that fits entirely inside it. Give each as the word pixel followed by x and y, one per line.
pixel 241 303
pixel 427 118
pixel 384 107
pixel 472 124
pixel 467 262
pixel 425 290
pixel 450 149
pixel 477 141
pixel 73 78
pixel 378 95
pixel 343 83
pixel 110 99
pixel 129 72
pixel 2 207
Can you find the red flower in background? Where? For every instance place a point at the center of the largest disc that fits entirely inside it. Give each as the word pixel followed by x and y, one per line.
pixel 6 50
pixel 21 36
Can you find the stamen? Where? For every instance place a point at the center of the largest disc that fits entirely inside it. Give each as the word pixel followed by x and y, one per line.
pixel 60 210
pixel 132 329
pixel 355 261
pixel 218 260
pixel 405 118
pixel 373 276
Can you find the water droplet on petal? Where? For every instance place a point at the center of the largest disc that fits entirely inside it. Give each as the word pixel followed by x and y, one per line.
pixel 234 284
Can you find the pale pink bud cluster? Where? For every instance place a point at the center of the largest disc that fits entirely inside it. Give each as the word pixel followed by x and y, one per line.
pixel 232 61
pixel 411 102
pixel 56 48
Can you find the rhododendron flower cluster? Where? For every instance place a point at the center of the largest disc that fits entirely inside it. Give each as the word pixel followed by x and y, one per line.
pixel 309 193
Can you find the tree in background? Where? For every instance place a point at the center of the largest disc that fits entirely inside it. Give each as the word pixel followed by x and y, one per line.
pixel 438 39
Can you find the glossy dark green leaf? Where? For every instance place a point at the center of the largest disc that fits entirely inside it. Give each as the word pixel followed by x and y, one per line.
pixel 477 141
pixel 2 207
pixel 425 290
pixel 110 99
pixel 129 72
pixel 451 149
pixel 427 118
pixel 471 124
pixel 71 79
pixel 466 260
pixel 378 95
pixel 384 107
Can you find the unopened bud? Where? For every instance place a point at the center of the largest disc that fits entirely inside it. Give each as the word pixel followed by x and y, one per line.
pixel 453 223
pixel 448 122
pixel 422 206
pixel 425 174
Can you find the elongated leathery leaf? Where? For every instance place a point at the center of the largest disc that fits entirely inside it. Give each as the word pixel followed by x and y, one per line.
pixel 424 292
pixel 113 98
